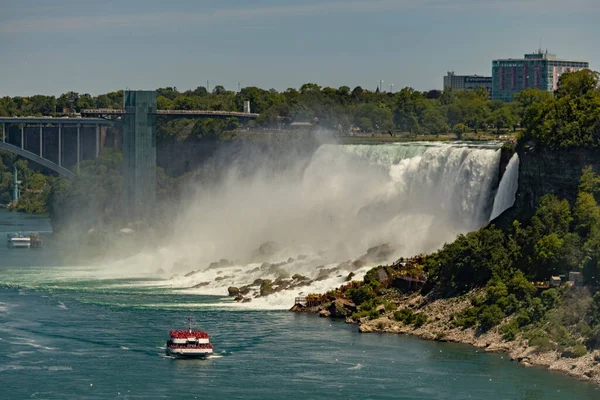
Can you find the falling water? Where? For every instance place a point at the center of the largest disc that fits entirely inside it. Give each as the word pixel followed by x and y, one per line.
pixel 505 198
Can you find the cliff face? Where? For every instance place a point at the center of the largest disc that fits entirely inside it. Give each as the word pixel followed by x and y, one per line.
pixel 544 172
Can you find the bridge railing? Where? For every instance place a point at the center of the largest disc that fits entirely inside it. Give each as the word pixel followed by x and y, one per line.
pixel 103 111
pixel 207 112
pixel 220 113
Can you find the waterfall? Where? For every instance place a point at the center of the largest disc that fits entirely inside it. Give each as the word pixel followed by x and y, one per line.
pixel 505 197
pixel 324 211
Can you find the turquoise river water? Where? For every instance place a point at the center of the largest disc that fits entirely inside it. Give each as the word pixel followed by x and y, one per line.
pixel 63 337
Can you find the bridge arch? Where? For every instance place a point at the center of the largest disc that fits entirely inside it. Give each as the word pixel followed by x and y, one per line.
pixel 62 171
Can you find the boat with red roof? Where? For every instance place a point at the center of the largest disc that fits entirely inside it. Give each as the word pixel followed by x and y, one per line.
pixel 189 343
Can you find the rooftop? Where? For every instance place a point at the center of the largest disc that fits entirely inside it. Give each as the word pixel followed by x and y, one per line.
pixel 540 55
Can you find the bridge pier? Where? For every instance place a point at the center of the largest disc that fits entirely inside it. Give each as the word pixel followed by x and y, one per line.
pixel 4 132
pixel 41 140
pixel 23 137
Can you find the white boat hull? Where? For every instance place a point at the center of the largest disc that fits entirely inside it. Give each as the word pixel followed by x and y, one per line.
pixel 14 245
pixel 192 353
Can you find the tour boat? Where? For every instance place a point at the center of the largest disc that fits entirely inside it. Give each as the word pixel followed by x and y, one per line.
pixel 189 343
pixel 18 240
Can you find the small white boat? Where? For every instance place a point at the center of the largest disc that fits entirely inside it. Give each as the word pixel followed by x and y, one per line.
pixel 15 240
pixel 189 343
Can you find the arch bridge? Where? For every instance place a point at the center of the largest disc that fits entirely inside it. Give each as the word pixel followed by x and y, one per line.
pixel 56 143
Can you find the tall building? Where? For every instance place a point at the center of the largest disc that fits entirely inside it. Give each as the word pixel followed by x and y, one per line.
pixel 467 82
pixel 536 70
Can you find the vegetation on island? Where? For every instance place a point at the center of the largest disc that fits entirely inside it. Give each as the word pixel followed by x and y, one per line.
pixel 34 187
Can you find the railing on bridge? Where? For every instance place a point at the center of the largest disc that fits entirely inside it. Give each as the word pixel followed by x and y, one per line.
pixel 173 113
pixel 103 111
pixel 207 112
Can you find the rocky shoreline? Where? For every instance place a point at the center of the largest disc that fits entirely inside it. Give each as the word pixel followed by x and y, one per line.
pixel 439 327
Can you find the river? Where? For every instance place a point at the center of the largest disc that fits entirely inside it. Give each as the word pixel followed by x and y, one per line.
pixel 65 335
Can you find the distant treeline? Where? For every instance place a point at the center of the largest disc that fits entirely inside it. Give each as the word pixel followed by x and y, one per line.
pixel 344 110
pixel 340 109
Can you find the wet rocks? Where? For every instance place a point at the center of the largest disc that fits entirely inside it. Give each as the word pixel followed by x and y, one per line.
pixel 350 276
pixel 297 308
pixel 201 284
pixel 341 308
pixel 191 273
pixel 266 288
pixel 244 290
pixel 324 273
pixel 233 291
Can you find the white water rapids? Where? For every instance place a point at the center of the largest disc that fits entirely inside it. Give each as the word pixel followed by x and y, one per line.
pixel 347 198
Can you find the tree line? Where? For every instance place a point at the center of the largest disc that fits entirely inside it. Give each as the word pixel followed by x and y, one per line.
pixel 340 109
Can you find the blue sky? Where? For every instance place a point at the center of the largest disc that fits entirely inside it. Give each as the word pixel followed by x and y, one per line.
pixel 93 46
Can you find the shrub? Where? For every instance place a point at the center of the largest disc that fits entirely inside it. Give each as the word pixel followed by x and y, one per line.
pixel 561 335
pixel 374 314
pixel 370 304
pixel 467 318
pixel 536 310
pixel 361 295
pixel 477 301
pixel 358 315
pixel 575 351
pixel 521 287
pixel 512 304
pixel 509 331
pixel 550 298
pixel 389 306
pixel 584 329
pixel 594 339
pixel 420 319
pixel 495 290
pixel 502 302
pixel 541 344
pixel 489 317
pixel 523 319
pixel 405 315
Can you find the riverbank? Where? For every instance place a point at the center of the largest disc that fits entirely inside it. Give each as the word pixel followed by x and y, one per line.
pixel 440 327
